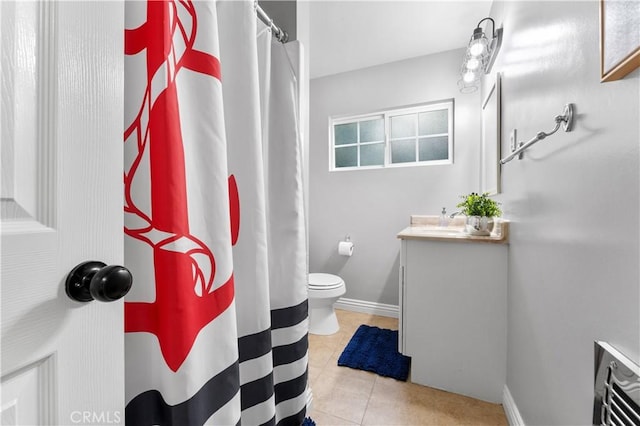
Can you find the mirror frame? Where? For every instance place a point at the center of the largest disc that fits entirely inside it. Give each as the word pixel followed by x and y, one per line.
pixel 490 150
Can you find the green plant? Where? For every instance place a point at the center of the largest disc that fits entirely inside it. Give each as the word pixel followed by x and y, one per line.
pixel 479 205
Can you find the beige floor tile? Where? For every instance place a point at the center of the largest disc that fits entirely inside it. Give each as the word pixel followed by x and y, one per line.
pixel 347 373
pixel 388 414
pixel 336 340
pixel 352 320
pixel 324 419
pixel 398 404
pixel 344 398
pixel 314 373
pixel 461 410
pixel 344 404
pixel 357 384
pixel 344 338
pixel 319 352
pixel 385 322
pixel 399 391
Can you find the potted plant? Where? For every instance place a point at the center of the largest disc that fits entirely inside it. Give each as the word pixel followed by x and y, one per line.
pixel 480 211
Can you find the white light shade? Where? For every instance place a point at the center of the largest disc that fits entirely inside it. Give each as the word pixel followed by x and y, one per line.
pixel 478 47
pixel 467 87
pixel 468 76
pixel 473 64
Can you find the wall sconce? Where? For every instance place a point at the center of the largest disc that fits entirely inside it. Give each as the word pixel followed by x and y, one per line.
pixel 479 58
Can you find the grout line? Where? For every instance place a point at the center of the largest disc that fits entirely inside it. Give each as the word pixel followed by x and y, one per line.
pixel 364 414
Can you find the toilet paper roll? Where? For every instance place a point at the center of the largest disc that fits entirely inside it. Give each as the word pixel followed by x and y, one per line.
pixel 345 248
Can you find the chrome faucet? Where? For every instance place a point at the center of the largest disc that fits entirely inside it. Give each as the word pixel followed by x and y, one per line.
pixel 454 214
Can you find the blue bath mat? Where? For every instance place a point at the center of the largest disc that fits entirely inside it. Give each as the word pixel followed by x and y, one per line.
pixel 376 349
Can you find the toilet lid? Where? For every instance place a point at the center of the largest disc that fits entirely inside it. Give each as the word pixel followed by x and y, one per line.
pixel 318 281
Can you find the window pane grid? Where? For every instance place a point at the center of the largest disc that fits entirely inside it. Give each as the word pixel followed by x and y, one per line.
pixel 415 136
pixel 403 139
pixel 358 148
pixel 433 135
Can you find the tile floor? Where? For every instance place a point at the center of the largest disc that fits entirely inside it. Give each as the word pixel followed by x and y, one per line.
pixel 344 396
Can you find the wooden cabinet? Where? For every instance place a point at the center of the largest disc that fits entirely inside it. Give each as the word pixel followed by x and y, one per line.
pixel 453 315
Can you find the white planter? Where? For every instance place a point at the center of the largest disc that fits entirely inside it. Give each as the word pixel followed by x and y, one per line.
pixel 479 225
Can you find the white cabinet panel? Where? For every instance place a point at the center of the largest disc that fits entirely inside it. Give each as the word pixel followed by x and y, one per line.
pixel 454 313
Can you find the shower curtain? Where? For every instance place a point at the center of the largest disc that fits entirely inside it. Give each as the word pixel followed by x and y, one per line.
pixel 216 322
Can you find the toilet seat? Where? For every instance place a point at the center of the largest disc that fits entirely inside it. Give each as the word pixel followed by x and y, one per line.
pixel 320 281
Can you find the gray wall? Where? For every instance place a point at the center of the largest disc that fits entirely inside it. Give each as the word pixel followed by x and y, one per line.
pixel 573 260
pixel 372 206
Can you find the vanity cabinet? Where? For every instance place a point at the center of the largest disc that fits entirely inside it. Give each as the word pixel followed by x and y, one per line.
pixel 453 313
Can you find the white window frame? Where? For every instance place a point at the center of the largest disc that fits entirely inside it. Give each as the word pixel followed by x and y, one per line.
pixel 387 115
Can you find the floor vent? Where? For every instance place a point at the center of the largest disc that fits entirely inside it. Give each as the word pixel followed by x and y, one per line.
pixel 616 399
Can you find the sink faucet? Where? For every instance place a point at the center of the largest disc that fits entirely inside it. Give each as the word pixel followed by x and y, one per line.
pixel 454 214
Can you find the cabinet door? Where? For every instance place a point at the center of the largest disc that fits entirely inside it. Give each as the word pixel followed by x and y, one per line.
pixel 455 316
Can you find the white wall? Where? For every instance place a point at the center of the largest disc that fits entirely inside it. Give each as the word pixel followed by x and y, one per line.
pixel 372 206
pixel 574 202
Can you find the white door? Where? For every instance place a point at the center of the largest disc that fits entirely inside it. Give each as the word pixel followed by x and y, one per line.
pixel 61 127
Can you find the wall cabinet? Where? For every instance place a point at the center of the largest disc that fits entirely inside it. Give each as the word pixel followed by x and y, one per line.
pixel 453 315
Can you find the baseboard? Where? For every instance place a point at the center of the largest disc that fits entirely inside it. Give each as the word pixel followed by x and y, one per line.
pixel 510 409
pixel 367 307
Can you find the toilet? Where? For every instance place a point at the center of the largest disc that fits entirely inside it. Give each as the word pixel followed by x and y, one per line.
pixel 324 291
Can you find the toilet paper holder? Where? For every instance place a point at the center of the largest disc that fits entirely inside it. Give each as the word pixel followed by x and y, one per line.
pixel 345 247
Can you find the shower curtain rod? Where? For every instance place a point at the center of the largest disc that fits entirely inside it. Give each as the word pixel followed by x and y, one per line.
pixel 280 34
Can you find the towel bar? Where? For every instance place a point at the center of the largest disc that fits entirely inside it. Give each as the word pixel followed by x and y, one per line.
pixel 565 120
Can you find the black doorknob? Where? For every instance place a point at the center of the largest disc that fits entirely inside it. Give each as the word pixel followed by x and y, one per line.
pixel 95 280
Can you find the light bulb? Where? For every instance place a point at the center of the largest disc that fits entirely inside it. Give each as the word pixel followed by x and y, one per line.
pixel 469 76
pixel 473 64
pixel 477 47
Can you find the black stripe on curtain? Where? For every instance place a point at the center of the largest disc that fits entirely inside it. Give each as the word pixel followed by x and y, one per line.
pixel 150 408
pixel 293 353
pixel 287 354
pixel 256 392
pixel 295 420
pixel 260 390
pixel 271 422
pixel 291 388
pixel 287 317
pixel 254 345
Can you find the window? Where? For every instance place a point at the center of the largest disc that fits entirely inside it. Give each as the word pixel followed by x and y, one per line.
pixel 401 137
